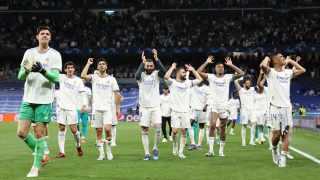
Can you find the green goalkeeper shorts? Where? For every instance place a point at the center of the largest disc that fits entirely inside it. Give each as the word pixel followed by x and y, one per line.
pixel 35 112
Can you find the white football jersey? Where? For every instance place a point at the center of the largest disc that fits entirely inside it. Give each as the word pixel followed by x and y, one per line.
pixel 180 94
pixel 37 88
pixel 233 105
pixel 149 93
pixel 219 89
pixel 165 105
pixel 103 89
pixel 266 90
pixel 199 97
pixel 261 102
pixel 69 91
pixel 246 97
pixel 279 87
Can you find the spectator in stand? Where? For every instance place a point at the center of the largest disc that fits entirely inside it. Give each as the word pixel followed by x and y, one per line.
pixel 302 110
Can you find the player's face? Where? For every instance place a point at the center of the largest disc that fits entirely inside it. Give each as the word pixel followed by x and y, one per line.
pixel 69 70
pixel 149 67
pixel 235 96
pixel 182 74
pixel 165 91
pixel 279 59
pixel 219 68
pixel 247 84
pixel 102 66
pixel 44 37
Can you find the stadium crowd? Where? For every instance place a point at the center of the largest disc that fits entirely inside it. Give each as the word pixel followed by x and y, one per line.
pixel 163 30
pixel 153 4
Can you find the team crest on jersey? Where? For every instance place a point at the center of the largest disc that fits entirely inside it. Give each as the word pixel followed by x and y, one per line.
pixel 47 59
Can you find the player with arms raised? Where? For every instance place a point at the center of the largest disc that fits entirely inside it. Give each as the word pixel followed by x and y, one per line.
pixel 280 109
pixel 104 87
pixel 219 90
pixel 148 77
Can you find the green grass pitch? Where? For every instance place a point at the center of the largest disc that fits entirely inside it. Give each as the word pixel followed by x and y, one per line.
pixel 239 162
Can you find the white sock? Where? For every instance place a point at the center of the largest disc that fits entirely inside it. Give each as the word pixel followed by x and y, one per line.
pixel 232 130
pixel 61 140
pixel 243 134
pixel 275 148
pixel 222 144
pixel 252 132
pixel 207 134
pixel 284 152
pixel 100 147
pixel 114 133
pixel 261 135
pixel 201 134
pixel 157 133
pixel 183 139
pixel 76 137
pixel 211 144
pixel 145 142
pixel 270 138
pixel 108 146
pixel 283 157
pixel 191 134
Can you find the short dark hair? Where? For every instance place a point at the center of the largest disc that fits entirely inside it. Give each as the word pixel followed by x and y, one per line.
pixel 234 93
pixel 219 62
pixel 165 87
pixel 69 63
pixel 179 68
pixel 149 60
pixel 274 55
pixel 41 28
pixel 102 59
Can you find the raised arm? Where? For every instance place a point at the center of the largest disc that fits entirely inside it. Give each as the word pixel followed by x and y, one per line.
pixel 265 65
pixel 239 73
pixel 169 72
pixel 237 85
pixel 140 68
pixel 297 68
pixel 195 73
pixel 200 70
pixel 84 73
pixel 261 80
pixel 159 65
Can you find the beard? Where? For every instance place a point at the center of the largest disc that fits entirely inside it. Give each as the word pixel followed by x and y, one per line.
pixel 149 71
pixel 183 78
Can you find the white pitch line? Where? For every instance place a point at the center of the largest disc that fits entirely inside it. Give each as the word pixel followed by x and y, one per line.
pixel 305 154
pixel 300 152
